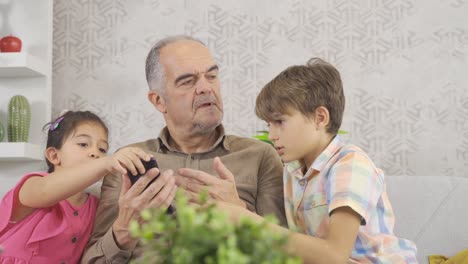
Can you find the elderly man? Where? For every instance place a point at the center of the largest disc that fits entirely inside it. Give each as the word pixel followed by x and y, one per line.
pixel 192 150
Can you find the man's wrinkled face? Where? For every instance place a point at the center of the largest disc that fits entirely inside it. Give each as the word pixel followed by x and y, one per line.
pixel 192 98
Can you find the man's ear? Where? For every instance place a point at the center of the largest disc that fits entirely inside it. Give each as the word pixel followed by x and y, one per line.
pixel 52 155
pixel 322 117
pixel 157 100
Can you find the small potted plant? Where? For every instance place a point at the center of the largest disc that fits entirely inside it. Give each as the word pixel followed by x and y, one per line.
pixel 263 135
pixel 204 234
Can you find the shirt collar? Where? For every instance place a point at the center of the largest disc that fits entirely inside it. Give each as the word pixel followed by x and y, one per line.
pixel 321 161
pixel 295 167
pixel 164 137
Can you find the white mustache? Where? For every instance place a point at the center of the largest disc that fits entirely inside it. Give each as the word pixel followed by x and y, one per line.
pixel 204 100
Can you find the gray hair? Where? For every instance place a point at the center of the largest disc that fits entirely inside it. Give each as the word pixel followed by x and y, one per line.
pixel 155 75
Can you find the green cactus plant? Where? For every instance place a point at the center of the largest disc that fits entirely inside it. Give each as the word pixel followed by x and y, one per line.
pixel 2 132
pixel 19 118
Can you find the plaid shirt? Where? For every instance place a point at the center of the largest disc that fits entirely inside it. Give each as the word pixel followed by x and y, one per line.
pixel 343 175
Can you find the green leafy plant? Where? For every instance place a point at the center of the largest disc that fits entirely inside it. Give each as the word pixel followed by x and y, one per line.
pixel 263 135
pixel 204 234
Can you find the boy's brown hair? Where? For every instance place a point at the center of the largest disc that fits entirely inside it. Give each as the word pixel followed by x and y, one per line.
pixel 304 88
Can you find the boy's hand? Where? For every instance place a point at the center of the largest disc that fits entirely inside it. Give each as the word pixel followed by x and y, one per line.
pixel 128 159
pixel 236 212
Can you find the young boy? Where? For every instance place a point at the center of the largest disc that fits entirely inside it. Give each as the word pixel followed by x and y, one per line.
pixel 335 196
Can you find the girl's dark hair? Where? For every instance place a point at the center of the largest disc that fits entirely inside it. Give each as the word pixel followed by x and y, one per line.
pixel 63 126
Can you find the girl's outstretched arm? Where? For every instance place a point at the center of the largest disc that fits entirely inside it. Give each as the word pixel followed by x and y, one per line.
pixel 41 192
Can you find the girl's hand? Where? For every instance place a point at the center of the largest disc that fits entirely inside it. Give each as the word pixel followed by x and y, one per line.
pixel 128 158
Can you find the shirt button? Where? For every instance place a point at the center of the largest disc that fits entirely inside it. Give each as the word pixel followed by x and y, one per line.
pixel 75 213
pixel 74 239
pixel 302 182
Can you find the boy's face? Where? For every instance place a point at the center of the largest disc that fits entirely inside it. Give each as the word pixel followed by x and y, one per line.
pixel 297 137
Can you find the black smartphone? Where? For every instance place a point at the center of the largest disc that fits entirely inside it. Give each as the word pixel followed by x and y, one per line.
pixel 148 165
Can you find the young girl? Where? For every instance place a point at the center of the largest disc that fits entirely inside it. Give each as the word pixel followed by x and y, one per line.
pixel 335 196
pixel 47 217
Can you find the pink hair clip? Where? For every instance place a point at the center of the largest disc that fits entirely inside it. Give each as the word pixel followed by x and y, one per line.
pixel 55 124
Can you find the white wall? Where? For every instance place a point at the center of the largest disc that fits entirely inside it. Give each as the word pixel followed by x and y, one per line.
pixel 403 63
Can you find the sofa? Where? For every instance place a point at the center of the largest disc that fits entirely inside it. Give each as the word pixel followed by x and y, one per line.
pixel 432 211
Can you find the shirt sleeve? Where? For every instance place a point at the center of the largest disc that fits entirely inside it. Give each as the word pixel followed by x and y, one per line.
pixel 270 198
pixel 354 181
pixel 102 247
pixel 11 199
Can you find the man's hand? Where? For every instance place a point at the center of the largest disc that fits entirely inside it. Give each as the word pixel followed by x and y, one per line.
pixel 219 189
pixel 133 199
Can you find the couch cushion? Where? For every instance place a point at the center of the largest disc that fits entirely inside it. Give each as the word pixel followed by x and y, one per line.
pixel 432 211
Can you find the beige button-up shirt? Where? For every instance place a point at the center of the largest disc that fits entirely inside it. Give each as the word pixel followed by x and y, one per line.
pixel 256 167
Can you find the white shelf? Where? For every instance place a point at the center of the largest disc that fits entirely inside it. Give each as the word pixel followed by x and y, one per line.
pixel 21 64
pixel 20 151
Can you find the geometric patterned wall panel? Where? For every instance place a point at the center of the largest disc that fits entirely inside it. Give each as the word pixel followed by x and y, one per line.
pixel 404 65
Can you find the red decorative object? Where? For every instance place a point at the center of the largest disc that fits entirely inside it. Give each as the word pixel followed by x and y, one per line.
pixel 10 44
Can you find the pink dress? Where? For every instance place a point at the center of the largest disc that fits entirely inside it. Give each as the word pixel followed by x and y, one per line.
pixel 57 234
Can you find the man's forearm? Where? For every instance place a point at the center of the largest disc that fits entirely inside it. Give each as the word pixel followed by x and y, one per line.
pixel 105 250
pixel 123 239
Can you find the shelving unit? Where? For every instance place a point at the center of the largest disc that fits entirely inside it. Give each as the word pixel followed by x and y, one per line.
pixel 27 73
pixel 17 66
pixel 21 64
pixel 20 151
